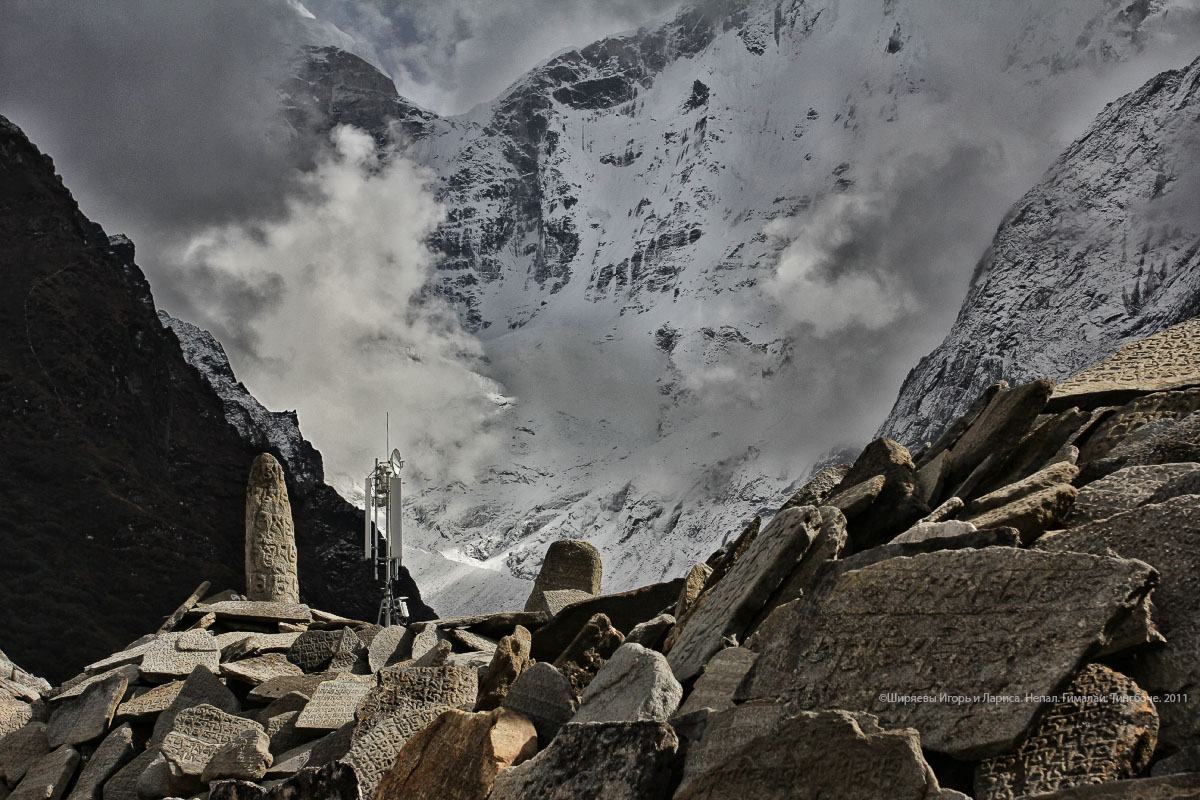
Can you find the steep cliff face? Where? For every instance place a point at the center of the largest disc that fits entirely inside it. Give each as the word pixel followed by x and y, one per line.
pixel 1105 250
pixel 123 483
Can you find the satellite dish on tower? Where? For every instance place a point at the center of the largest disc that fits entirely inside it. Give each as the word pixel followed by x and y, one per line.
pixel 396 461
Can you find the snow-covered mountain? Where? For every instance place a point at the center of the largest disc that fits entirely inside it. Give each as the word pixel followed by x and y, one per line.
pixel 1105 250
pixel 656 239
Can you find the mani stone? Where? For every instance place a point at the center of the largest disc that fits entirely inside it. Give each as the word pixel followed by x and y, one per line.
pixel 270 535
pixel 21 748
pixel 1166 535
pixel 652 632
pixel 634 684
pixel 610 760
pixel 818 489
pixel 197 735
pixel 257 611
pixel 84 718
pixel 313 651
pixel 245 757
pixel 333 704
pixel 1102 728
pixel 1171 787
pixel 693 584
pixel 123 784
pixel 1139 424
pixel 757 752
pixel 555 600
pixel 624 610
pixel 586 654
pixel 175 655
pixel 1000 427
pixel 404 702
pixel 48 777
pixel 544 695
pixel 279 687
pixel 724 671
pixel 1053 475
pixel 508 662
pixel 13 715
pixel 149 704
pixel 458 755
pixel 114 752
pixel 383 647
pixel 260 669
pixel 1169 359
pixel 734 602
pixel 1126 489
pixel 966 625
pixel 130 671
pixel 200 688
pixel 934 530
pixel 1032 515
pixel 569 564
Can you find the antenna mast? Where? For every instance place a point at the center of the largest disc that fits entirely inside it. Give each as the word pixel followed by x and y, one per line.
pixel 383 535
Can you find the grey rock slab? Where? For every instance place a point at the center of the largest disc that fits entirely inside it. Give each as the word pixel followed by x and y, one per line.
pixel 934 530
pixel 652 632
pixel 130 671
pixel 123 784
pixel 1102 728
pixel 114 752
pixel 723 559
pixel 21 748
pixel 245 757
pixel 732 604
pixel 693 584
pixel 333 704
pixel 279 687
pixel 932 476
pixel 175 655
pixel 314 650
pixel 1126 489
pixel 1167 536
pixel 148 704
pixel 634 684
pixel 47 778
pixel 759 752
pixel 256 611
pixel 13 715
pixel 202 687
pixel 544 695
pixel 971 624
pixel 722 674
pixel 84 718
pixel 553 601
pixel 260 669
pixel 818 489
pixel 569 564
pixel 1031 515
pixel 271 572
pixel 1001 425
pixel 292 701
pixel 1171 787
pixel 464 641
pixel 610 760
pixel 1053 475
pixel 511 658
pixel 856 499
pixel 945 512
pixel 132 655
pixel 383 647
pixel 624 610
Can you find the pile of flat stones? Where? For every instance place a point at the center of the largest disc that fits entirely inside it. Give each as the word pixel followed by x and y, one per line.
pixel 1012 611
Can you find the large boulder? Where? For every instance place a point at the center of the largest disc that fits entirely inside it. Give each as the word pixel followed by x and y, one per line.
pixel 634 684
pixel 544 696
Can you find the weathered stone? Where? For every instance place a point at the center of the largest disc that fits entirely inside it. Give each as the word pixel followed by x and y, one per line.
pixel 48 777
pixel 467 642
pixel 114 752
pixel 292 701
pixel 1051 476
pixel 1127 489
pixel 898 503
pixel 271 573
pixel 123 784
pixel 405 701
pixel 333 704
pixel 130 671
pixel 1166 360
pixel 1048 443
pixel 198 733
pixel 933 530
pixel 84 718
pixel 13 715
pixel 610 760
pixel 130 655
pixel 332 746
pixel 170 622
pixel 175 655
pixel 458 755
pixel 818 489
pixel 624 610
pixel 1167 536
pixel 1001 426
pixel 21 748
pixel 284 735
pixel 494 626
pixel 1156 429
pixel 1180 762
pixel 970 624
pixel 693 584
pixel 758 752
pixel 544 695
pixel 555 600
pixel 957 428
pixel 733 603
pixel 512 657
pixel 634 684
pixel 202 687
pixel 1188 483
pixel 256 611
pixel 290 762
pixel 945 512
pixel 586 654
pixel 722 674
pixel 569 564
pixel 244 757
pixel 278 687
pixel 652 632
pixel 204 623
pixel 436 656
pixel 1032 515
pixel 931 478
pixel 856 499
pixel 383 647
pixel 723 559
pixel 260 669
pixel 1171 787
pixel 1102 728
pixel 313 651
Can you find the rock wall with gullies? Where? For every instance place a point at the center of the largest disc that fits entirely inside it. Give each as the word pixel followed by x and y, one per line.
pixel 1033 635
pixel 1105 250
pixel 121 478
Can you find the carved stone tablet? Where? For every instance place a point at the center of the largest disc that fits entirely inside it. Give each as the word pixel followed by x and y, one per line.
pixel 1167 536
pixel 21 748
pixel 197 734
pixel 278 687
pixel 13 714
pixel 233 610
pixel 1124 490
pixel 333 704
pixel 260 669
pixel 175 655
pixel 555 600
pixel 722 674
pixel 84 718
pixel 1172 787
pixel 130 671
pixel 757 751
pixel 1167 360
pixel 930 642
pixel 383 646
pixel 613 760
pixel 1102 728
pixel 569 564
pixel 48 777
pixel 114 752
pixel 313 651
pixel 544 695
pixel 201 687
pixel 732 604
pixel 270 536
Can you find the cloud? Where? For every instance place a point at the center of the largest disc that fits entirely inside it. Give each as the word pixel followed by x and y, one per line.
pixel 451 56
pixel 324 309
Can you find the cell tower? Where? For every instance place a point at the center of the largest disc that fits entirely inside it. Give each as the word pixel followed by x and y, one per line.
pixel 383 536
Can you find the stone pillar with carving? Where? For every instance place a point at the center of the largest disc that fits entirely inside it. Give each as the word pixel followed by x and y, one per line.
pixel 270 535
